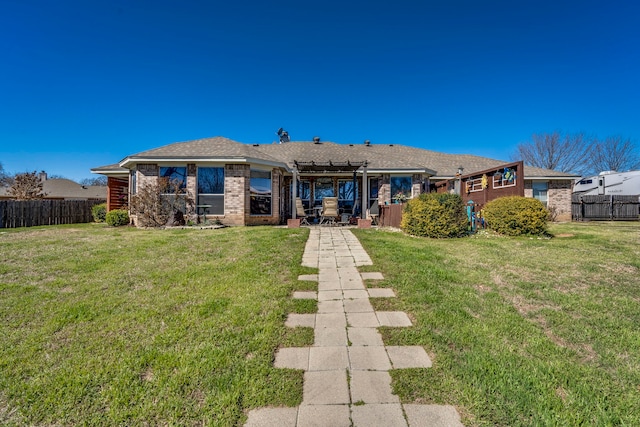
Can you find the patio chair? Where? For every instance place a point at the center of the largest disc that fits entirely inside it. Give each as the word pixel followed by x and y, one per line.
pixel 329 210
pixel 302 213
pixel 374 212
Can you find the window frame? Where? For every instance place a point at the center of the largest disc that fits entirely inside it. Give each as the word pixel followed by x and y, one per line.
pixel 545 202
pixel 183 180
pixel 216 209
pixel 408 192
pixel 254 197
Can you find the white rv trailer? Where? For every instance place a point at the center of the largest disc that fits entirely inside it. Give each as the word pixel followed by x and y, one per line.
pixel 609 183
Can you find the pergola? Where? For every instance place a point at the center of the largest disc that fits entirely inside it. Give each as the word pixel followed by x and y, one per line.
pixel 331 167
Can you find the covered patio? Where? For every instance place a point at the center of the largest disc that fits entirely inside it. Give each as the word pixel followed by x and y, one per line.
pixel 345 180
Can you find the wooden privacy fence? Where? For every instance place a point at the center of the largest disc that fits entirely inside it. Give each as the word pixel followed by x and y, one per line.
pixel 30 213
pixel 616 208
pixel 391 215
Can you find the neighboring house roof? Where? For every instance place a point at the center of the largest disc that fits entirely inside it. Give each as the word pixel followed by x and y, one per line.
pixel 61 188
pixel 67 189
pixel 378 157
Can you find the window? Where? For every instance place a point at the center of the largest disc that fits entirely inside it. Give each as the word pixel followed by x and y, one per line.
pixel 304 189
pixel 176 181
pixel 347 192
pixel 211 189
pixel 260 183
pixel 400 185
pixel 540 192
pixel 175 176
pixel 323 188
pixel 133 186
pixel 473 185
pixel 304 192
pixel 504 178
pixel 373 189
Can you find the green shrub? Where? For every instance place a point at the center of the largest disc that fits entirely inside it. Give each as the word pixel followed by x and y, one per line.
pixel 117 217
pixel 516 215
pixel 435 215
pixel 99 212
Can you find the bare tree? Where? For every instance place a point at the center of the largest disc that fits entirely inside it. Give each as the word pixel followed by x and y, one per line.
pixel 556 151
pixel 26 186
pixel 160 204
pixel 614 153
pixel 99 180
pixel 5 178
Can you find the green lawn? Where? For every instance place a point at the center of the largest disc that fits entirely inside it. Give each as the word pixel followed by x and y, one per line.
pixel 523 331
pixel 105 326
pixel 120 326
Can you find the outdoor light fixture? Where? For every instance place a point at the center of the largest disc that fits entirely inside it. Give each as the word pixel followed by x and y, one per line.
pixel 460 169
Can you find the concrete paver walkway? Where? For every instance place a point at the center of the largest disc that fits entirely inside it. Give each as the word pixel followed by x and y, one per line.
pixel 346 379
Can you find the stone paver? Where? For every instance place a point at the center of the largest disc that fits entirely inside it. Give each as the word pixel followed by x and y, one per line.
pixel 328 358
pixel 331 320
pixel 329 295
pixel 432 415
pixel 381 293
pixel 355 294
pixel 403 357
pixel 363 320
pixel 325 388
pixel 324 415
pixel 346 370
pixel 378 415
pixel 330 306
pixel 372 276
pixel 369 358
pixel 303 320
pixel 292 358
pixel 330 337
pixel 357 306
pixel 364 337
pixel 272 417
pixel 371 387
pixel 393 318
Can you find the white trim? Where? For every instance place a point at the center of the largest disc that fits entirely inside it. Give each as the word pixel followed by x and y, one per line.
pixel 396 171
pixel 110 172
pixel 184 160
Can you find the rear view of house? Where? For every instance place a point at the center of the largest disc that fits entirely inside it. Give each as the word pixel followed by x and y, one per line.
pixel 250 184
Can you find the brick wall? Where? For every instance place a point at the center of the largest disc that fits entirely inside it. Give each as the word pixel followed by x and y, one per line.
pixel 236 190
pixel 528 188
pixel 384 192
pixel 192 190
pixel 416 185
pixel 559 198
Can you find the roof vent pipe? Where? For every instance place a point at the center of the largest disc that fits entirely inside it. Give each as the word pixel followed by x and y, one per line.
pixel 316 140
pixel 367 142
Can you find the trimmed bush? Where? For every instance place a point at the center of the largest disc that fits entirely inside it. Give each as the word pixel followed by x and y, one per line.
pixel 435 215
pixel 516 215
pixel 99 212
pixel 117 217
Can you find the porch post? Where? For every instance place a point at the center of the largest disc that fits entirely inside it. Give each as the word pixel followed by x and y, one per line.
pixel 294 193
pixel 355 192
pixel 365 192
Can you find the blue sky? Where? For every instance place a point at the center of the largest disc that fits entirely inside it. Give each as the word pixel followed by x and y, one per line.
pixel 86 83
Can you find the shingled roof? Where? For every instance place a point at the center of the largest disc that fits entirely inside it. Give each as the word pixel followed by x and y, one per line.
pixel 378 157
pixel 202 149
